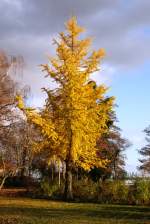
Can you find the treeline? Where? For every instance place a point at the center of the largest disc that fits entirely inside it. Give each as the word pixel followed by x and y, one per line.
pixel 71 148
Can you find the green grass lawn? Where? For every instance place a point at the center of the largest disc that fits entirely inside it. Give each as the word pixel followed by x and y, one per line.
pixel 32 211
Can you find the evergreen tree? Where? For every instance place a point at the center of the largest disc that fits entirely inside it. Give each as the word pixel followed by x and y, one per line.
pixel 145 153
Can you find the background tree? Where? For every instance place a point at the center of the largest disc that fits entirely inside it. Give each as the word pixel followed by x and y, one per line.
pixel 7 96
pixel 16 151
pixel 7 92
pixel 10 128
pixel 145 153
pixel 112 147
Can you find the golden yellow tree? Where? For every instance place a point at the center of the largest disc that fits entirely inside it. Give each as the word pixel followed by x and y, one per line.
pixel 76 112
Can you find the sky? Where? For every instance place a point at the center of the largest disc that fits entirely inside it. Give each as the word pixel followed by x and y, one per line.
pixel 121 27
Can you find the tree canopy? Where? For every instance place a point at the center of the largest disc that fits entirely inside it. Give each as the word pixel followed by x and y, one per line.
pixel 77 111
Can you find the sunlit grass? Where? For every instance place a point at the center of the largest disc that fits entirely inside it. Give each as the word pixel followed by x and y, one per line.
pixel 32 211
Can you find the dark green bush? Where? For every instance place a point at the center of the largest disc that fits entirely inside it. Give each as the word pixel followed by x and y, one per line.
pixel 18 181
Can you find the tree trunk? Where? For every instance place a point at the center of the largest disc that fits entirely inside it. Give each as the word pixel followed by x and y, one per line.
pixel 59 174
pixel 23 170
pixel 68 195
pixel 63 170
pixel 52 172
pixel 3 182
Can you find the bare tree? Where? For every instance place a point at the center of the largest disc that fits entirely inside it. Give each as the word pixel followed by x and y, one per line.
pixel 14 131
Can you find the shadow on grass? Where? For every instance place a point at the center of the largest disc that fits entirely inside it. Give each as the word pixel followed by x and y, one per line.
pixel 74 211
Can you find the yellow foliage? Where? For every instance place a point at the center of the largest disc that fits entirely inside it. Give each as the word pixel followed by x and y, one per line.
pixel 76 113
pixel 20 102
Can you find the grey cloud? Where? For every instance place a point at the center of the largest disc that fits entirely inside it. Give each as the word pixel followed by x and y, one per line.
pixel 121 27
pixel 124 33
pixel 36 16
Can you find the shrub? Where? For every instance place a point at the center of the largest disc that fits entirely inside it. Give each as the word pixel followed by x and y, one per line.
pixel 111 191
pixel 48 188
pixel 142 191
pixel 18 181
pixel 85 190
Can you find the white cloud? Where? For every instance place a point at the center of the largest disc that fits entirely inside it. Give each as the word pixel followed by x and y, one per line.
pixel 105 75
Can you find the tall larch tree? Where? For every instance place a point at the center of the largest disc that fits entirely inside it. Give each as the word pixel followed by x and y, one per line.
pixel 76 112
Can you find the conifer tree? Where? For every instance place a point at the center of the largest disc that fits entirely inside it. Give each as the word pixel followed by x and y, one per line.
pixel 112 146
pixel 77 111
pixel 145 153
